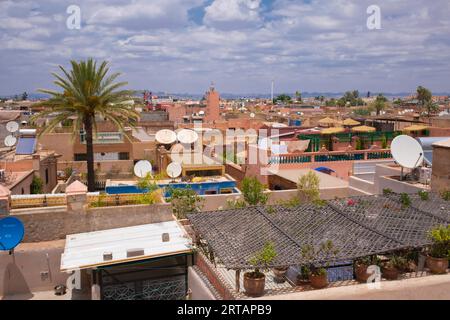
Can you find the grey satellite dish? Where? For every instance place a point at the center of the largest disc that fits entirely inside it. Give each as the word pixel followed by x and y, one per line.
pixel 142 168
pixel 10 141
pixel 187 136
pixel 174 170
pixel 12 126
pixel 407 152
pixel 166 136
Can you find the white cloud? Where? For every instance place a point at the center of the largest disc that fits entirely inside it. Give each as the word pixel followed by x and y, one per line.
pixel 232 11
pixel 316 46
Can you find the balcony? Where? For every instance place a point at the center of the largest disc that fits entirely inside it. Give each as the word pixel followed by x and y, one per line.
pixel 104 138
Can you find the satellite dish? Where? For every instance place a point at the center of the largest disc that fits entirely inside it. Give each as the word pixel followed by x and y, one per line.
pixel 201 112
pixel 174 170
pixel 11 233
pixel 10 141
pixel 12 126
pixel 252 115
pixel 187 136
pixel 407 152
pixel 166 136
pixel 142 168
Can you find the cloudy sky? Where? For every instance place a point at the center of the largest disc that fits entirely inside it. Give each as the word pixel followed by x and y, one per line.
pixel 241 45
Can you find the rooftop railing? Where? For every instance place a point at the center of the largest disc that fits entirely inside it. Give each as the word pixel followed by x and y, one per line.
pixel 331 156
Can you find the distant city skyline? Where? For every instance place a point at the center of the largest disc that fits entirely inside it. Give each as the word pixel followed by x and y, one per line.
pixel 180 46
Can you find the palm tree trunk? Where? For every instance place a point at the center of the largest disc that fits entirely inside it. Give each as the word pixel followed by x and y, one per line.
pixel 89 153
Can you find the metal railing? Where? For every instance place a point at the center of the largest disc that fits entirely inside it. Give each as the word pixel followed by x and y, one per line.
pixel 330 156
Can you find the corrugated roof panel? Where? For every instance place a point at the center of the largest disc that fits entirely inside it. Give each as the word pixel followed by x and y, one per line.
pixel 85 250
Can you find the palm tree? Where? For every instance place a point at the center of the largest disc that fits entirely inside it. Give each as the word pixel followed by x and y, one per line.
pixel 88 92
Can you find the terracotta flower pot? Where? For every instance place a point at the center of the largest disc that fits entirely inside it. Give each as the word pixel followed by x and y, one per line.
pixel 318 282
pixel 437 265
pixel 280 274
pixel 390 273
pixel 361 273
pixel 254 287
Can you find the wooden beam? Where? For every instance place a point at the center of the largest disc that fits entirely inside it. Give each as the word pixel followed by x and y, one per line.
pixel 238 283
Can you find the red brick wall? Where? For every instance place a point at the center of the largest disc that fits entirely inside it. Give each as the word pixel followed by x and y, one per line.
pixel 213 278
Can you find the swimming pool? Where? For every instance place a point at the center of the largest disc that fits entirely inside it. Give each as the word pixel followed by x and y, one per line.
pixel 201 188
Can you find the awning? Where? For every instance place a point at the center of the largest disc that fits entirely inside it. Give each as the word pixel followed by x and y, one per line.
pixel 86 250
pixel 333 130
pixel 364 129
pixel 350 122
pixel 415 127
pixel 327 121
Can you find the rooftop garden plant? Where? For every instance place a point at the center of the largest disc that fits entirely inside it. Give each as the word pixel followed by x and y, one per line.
pixel 446 195
pixel 253 191
pixel 391 269
pixel 308 187
pixel 405 200
pixel 318 273
pixel 439 250
pixel 424 196
pixel 254 281
pixel 362 264
pixel 184 201
pixel 147 183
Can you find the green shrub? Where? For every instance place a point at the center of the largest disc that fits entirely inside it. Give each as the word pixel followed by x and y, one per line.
pixel 326 251
pixel 184 201
pixel 263 258
pixel 37 185
pixel 446 195
pixel 405 200
pixel 308 187
pixel 424 196
pixel 387 191
pixel 253 191
pixel 440 237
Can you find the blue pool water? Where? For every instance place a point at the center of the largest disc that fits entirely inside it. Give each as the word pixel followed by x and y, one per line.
pixel 201 188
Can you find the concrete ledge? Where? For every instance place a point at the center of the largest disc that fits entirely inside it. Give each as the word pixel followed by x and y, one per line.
pixel 423 288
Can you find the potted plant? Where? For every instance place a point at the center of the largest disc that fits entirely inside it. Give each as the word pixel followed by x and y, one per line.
pixel 391 269
pixel 318 275
pixel 361 266
pixel 279 274
pixel 439 251
pixel 255 281
pixel 303 276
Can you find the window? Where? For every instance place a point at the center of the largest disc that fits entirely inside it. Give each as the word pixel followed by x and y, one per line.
pixel 80 157
pixel 124 156
pixel 46 176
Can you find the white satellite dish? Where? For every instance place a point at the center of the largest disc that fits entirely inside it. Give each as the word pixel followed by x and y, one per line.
pixel 407 152
pixel 174 170
pixel 12 126
pixel 252 115
pixel 142 168
pixel 201 112
pixel 166 136
pixel 187 136
pixel 10 141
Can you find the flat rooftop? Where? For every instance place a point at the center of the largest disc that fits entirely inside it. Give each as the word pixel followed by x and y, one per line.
pixel 85 250
pixel 224 178
pixel 326 181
